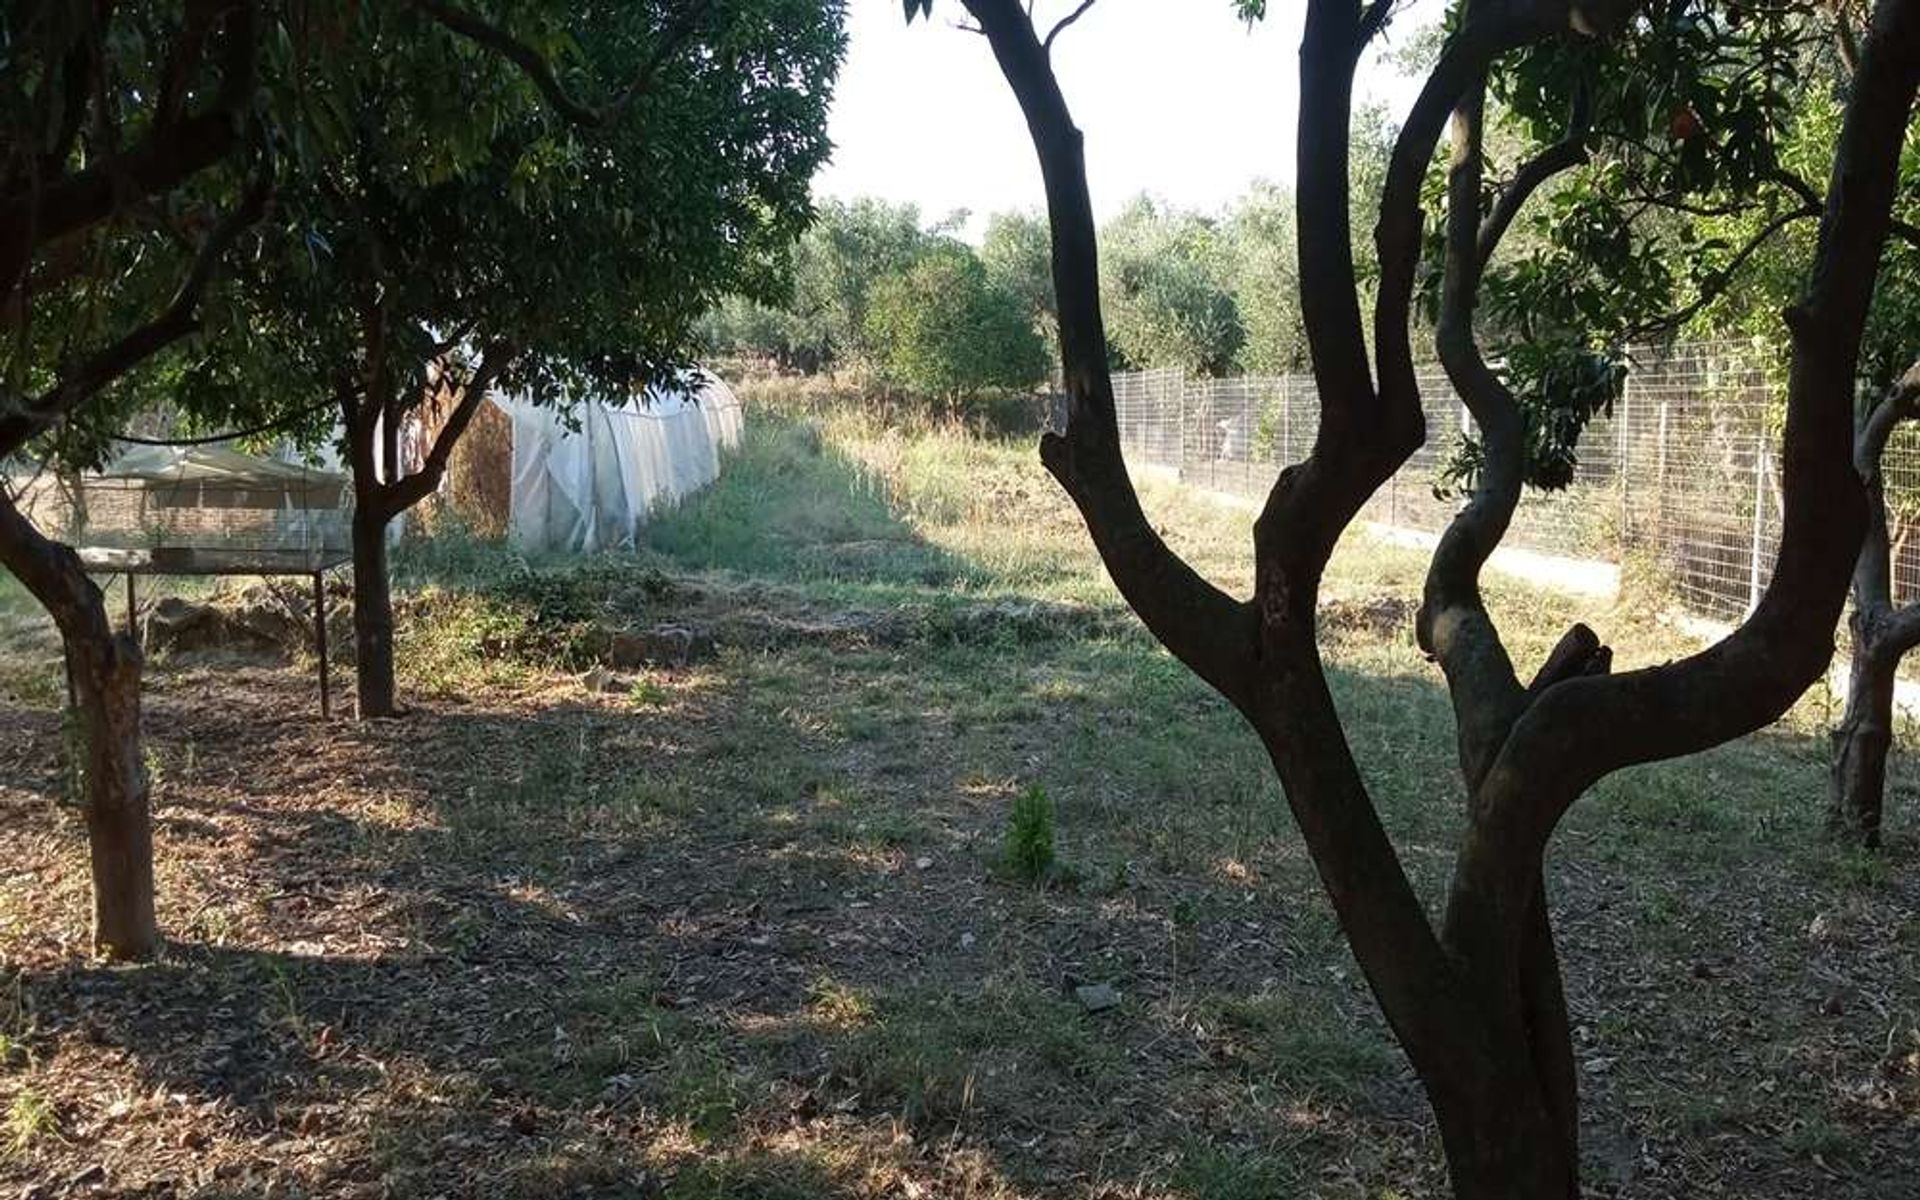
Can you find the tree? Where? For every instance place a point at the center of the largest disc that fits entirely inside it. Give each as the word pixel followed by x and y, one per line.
pixel 818 317
pixel 116 208
pixel 1476 999
pixel 1166 289
pixel 1726 237
pixel 941 329
pixel 1266 280
pixel 471 224
pixel 1014 251
pixel 1883 634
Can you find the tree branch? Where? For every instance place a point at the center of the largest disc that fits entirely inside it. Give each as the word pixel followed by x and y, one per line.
pixel 539 71
pixel 1591 726
pixel 1046 44
pixel 1873 572
pixel 176 321
pixel 1201 625
pixel 35 214
pixel 1564 155
pixel 1716 284
pixel 403 494
pixel 1453 624
pixel 1485 34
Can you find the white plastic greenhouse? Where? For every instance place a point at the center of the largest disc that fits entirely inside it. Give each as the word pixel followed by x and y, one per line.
pixel 589 488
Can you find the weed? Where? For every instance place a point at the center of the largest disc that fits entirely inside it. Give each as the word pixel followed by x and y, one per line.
pixel 1028 853
pixel 30 1118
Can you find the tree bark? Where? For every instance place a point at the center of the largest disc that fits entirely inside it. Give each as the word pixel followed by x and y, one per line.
pixel 1882 635
pixel 372 612
pixel 1862 740
pixel 105 668
pixel 106 684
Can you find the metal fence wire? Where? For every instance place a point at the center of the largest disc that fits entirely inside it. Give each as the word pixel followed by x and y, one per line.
pixel 1684 471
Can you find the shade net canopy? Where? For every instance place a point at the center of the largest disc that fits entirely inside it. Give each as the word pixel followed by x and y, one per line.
pixel 197 510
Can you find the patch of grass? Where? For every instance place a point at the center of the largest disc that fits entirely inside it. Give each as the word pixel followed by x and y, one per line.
pixel 610 1031
pixel 1207 1172
pixel 31 1117
pixel 1028 852
pixel 936 1057
pixel 1300 1039
pixel 1817 1136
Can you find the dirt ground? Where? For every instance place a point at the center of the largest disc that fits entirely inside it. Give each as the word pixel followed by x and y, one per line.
pixel 742 929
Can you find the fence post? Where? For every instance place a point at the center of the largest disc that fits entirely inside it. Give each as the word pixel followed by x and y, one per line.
pixel 1622 449
pixel 1182 413
pixel 1286 421
pixel 1759 518
pixel 1660 479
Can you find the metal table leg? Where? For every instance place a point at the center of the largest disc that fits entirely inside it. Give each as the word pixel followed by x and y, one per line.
pixel 320 639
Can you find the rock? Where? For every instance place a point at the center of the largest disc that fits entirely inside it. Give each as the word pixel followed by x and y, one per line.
pixel 1096 997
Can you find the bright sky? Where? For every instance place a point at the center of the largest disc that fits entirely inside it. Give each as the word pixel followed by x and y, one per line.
pixel 1177 98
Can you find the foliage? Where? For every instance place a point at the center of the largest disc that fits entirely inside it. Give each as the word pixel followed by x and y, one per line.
pixel 821 318
pixel 1265 273
pixel 942 329
pixel 1165 290
pixel 446 206
pixel 1017 253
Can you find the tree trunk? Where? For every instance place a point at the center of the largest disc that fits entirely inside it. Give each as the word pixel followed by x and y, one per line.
pixel 1506 1150
pixel 106 685
pixel 372 614
pixel 1862 740
pixel 105 669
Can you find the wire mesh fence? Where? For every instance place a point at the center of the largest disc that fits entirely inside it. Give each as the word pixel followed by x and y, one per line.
pixel 1683 471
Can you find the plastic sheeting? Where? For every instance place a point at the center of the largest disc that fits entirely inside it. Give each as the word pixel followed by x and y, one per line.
pixel 590 488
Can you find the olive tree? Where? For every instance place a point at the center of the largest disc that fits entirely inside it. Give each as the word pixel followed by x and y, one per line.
pixel 1473 993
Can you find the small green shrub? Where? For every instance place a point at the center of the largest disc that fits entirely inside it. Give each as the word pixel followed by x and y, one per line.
pixel 1029 847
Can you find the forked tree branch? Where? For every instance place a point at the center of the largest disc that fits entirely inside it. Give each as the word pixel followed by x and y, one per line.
pixel 404 493
pixel 1569 152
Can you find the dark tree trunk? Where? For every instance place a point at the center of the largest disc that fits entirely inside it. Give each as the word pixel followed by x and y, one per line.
pixel 372 614
pixel 1504 1147
pixel 105 668
pixel 1862 740
pixel 1882 635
